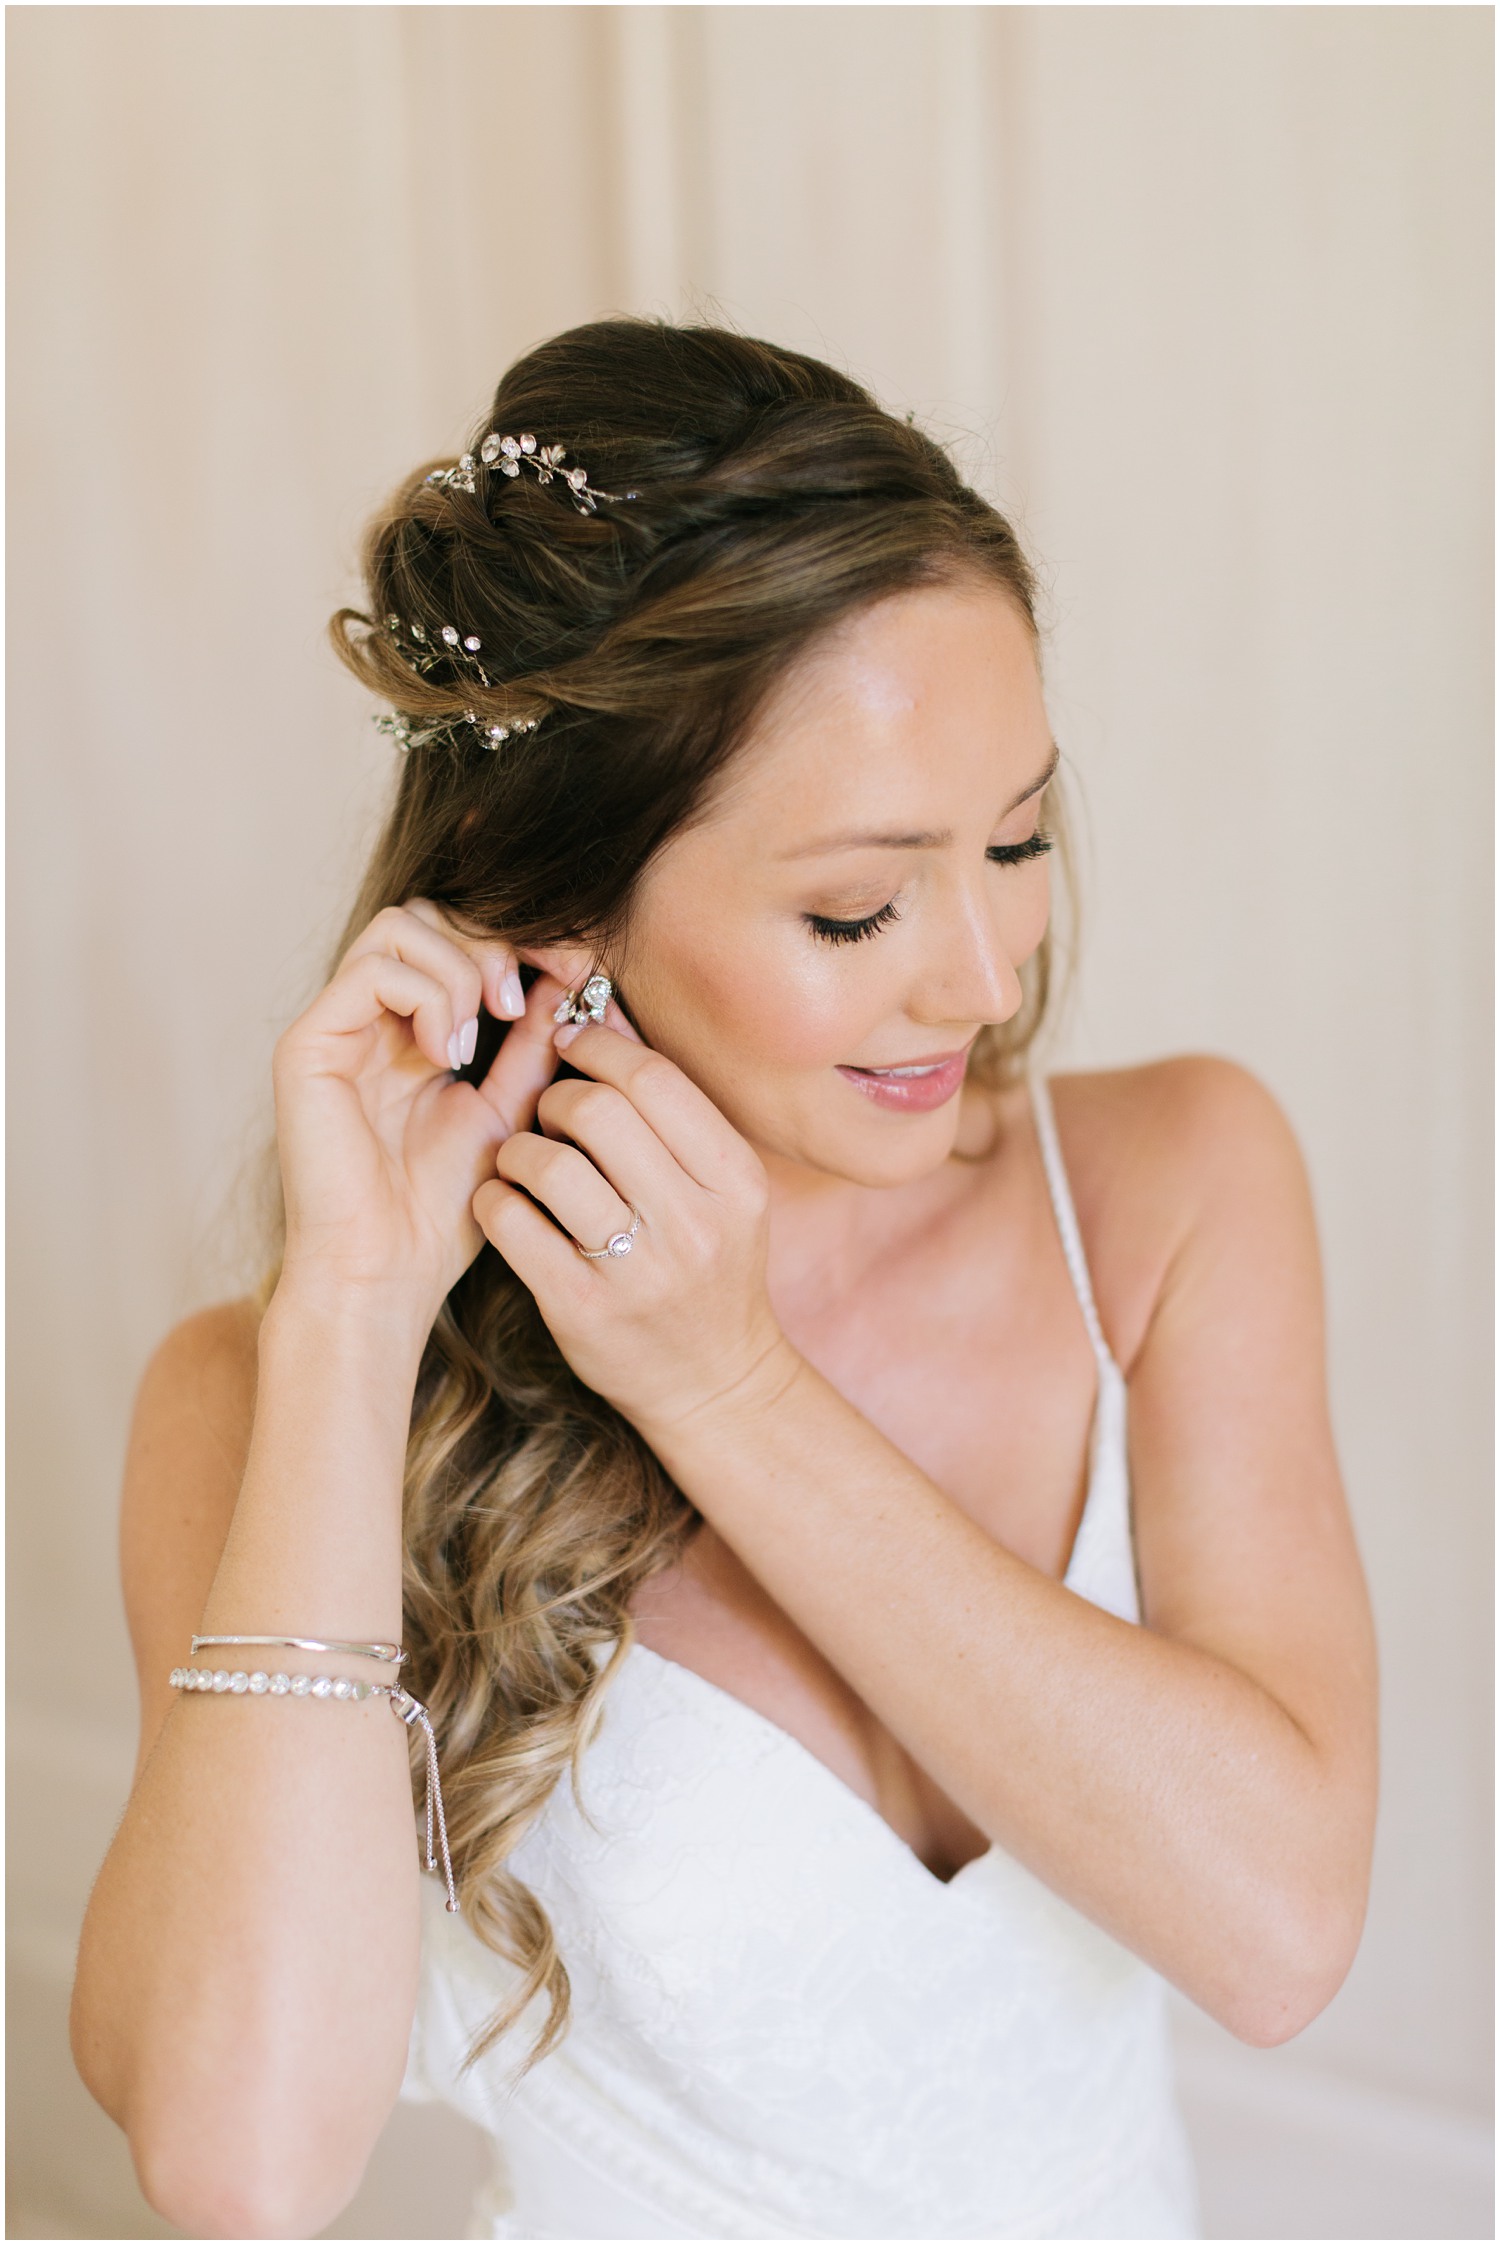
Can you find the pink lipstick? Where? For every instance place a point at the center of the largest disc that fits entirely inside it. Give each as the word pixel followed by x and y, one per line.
pixel 912 1086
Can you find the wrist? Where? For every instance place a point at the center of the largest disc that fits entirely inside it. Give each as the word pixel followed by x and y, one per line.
pixel 737 1409
pixel 374 1327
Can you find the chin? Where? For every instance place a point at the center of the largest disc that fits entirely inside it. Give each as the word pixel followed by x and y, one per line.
pixel 863 1143
pixel 888 1149
pixel 901 1169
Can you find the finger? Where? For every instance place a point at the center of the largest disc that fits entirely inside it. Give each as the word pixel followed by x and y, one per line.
pixel 527 1060
pixel 684 1118
pixel 614 1013
pixel 617 1139
pixel 400 934
pixel 379 982
pixel 495 957
pixel 567 1185
pixel 530 1242
pixel 614 1018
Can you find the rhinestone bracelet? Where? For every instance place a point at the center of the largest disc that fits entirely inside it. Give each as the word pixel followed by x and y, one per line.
pixel 281 1685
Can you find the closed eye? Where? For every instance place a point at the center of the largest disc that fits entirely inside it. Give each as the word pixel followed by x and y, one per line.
pixel 1016 853
pixel 851 931
pixel 854 931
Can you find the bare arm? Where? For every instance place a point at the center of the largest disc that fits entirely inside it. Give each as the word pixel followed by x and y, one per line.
pixel 1202 1786
pixel 248 1966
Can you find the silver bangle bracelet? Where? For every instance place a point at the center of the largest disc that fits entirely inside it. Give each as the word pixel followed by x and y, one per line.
pixel 392 1653
pixel 282 1686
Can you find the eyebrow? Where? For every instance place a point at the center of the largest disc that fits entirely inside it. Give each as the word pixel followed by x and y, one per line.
pixel 938 838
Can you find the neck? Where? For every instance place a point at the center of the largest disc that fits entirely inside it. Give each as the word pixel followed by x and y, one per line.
pixel 828 1230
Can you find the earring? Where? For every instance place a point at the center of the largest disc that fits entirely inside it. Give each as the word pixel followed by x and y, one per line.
pixel 587 1004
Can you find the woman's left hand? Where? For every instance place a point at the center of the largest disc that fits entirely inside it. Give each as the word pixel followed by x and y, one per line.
pixel 683 1321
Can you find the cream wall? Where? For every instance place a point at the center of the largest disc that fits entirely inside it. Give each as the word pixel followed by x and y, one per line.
pixel 1203 294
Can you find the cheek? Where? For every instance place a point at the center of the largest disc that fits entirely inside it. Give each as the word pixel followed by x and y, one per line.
pixel 823 1016
pixel 1026 922
pixel 770 1001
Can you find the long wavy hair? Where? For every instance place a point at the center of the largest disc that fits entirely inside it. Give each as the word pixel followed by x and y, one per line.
pixel 775 497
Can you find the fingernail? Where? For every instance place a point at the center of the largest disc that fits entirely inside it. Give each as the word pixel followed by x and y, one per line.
pixel 565 1035
pixel 468 1040
pixel 512 996
pixel 455 1051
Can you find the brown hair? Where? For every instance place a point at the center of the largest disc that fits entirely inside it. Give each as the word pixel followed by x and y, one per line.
pixel 776 497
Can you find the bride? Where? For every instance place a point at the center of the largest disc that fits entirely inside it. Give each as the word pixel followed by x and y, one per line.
pixel 858 1522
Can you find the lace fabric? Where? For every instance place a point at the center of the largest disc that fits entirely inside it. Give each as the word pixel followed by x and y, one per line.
pixel 784 2025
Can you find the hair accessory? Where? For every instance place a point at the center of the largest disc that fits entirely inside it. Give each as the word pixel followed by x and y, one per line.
pixel 425 651
pixel 452 645
pixel 282 1686
pixel 619 1244
pixel 587 1004
pixel 507 453
pixel 392 1653
pixel 406 735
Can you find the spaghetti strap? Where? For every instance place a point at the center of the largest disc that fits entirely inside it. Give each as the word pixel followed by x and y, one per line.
pixel 1067 1219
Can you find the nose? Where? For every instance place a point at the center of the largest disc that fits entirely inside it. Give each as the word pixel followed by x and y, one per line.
pixel 970 973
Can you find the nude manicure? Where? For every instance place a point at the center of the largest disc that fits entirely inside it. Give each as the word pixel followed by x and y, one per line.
pixel 512 996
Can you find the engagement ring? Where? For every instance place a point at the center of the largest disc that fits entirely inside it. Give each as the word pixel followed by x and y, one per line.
pixel 619 1245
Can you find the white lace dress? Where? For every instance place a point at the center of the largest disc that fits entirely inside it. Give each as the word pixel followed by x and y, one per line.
pixel 784 2026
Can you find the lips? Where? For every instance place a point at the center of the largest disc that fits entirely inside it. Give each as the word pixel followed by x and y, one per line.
pixel 911 1086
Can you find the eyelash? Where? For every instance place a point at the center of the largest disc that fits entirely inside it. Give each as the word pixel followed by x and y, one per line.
pixel 850 931
pixel 854 931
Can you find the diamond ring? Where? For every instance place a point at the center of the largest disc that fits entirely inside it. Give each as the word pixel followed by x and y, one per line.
pixel 619 1245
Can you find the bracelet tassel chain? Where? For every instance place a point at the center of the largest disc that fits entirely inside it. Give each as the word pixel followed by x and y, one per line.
pixel 409 1709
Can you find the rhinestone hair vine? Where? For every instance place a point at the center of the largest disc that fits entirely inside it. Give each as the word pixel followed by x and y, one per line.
pixel 406 735
pixel 507 454
pixel 464 647
pixel 417 647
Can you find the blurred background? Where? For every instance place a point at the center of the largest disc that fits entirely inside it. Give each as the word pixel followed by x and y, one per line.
pixel 1203 297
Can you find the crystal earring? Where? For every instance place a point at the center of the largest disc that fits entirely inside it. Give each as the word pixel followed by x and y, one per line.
pixel 587 1004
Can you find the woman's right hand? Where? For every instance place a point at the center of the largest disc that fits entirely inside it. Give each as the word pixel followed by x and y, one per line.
pixel 381 1147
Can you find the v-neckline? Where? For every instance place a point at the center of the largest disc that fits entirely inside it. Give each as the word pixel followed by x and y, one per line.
pixel 787 1741
pixel 1108 1372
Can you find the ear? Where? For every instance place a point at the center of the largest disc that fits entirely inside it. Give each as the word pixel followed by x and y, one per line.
pixel 568 962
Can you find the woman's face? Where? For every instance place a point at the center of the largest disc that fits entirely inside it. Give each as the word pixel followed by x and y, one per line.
pixel 858 895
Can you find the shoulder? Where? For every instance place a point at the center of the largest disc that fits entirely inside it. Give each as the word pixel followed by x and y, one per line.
pixel 195 1405
pixel 209 1356
pixel 189 1439
pixel 1192 1115
pixel 193 1414
pixel 1160 1156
